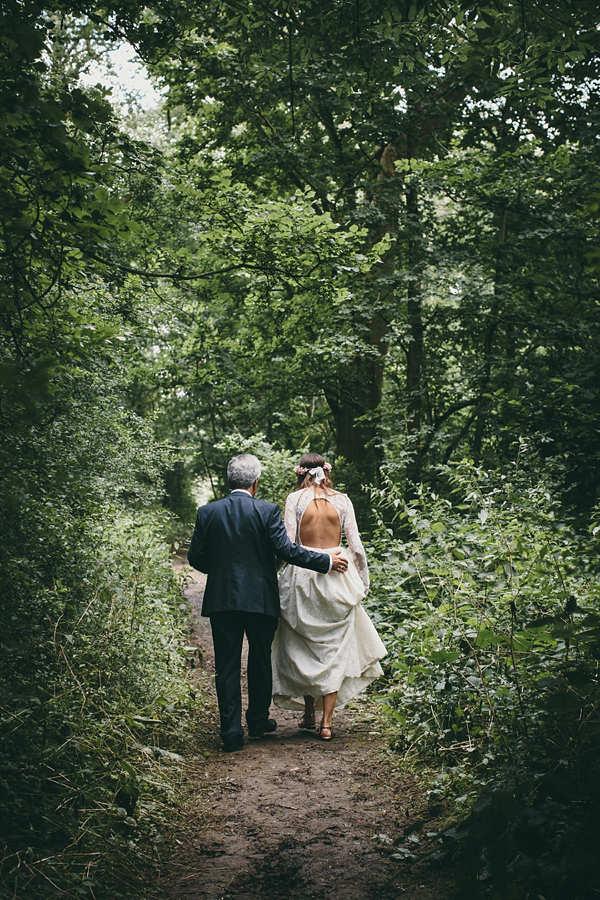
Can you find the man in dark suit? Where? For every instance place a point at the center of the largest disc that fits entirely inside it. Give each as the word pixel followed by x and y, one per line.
pixel 236 542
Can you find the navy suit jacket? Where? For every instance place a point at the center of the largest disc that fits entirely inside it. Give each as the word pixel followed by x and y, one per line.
pixel 236 543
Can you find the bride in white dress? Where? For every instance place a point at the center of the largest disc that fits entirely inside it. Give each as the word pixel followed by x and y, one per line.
pixel 326 649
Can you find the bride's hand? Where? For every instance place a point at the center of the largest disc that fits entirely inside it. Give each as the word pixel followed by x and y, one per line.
pixel 338 562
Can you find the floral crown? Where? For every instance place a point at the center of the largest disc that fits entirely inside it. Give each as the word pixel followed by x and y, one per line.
pixel 317 471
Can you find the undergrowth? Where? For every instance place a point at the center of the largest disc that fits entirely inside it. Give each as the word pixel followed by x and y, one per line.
pixel 96 709
pixel 489 604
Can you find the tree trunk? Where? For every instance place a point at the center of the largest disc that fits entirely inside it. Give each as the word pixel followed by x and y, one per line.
pixel 488 344
pixel 414 352
pixel 355 404
pixel 355 401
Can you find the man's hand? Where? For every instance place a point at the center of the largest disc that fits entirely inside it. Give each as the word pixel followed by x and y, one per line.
pixel 338 562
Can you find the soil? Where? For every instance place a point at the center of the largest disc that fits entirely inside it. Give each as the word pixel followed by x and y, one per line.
pixel 293 816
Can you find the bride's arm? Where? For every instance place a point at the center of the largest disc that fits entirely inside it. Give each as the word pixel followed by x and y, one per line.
pixel 355 544
pixel 289 519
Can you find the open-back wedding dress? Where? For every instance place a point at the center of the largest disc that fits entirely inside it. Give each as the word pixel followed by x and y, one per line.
pixel 325 641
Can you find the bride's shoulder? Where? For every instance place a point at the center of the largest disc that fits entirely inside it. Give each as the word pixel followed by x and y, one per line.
pixel 342 500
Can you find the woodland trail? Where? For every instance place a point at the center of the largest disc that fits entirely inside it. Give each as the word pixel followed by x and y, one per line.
pixel 292 816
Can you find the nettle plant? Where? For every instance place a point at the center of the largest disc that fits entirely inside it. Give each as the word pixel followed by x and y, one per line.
pixel 489 605
pixel 490 612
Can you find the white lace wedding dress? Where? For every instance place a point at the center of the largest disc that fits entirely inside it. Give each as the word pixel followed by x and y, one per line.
pixel 325 641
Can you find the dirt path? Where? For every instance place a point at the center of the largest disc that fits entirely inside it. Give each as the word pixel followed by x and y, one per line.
pixel 292 816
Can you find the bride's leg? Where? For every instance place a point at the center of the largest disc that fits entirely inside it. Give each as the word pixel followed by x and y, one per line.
pixel 328 707
pixel 308 719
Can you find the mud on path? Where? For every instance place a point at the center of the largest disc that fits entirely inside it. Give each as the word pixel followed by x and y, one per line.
pixel 293 816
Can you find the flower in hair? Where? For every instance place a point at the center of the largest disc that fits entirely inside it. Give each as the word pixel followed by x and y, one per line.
pixel 317 470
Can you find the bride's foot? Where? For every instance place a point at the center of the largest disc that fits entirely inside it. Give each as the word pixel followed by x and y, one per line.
pixel 307 723
pixel 325 732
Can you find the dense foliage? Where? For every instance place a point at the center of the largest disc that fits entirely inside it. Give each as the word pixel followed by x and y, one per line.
pixel 92 676
pixel 362 228
pixel 462 133
pixel 490 604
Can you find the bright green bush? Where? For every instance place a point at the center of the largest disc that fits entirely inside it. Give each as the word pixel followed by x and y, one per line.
pixel 490 607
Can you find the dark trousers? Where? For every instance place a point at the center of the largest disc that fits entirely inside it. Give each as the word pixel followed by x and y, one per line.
pixel 228 630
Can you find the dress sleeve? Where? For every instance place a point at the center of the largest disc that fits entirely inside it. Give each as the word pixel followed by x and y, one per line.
pixel 355 544
pixel 289 519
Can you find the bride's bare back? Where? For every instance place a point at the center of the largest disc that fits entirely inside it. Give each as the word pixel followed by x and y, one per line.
pixel 320 526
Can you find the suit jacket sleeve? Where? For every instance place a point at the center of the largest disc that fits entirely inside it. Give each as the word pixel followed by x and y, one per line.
pixel 294 553
pixel 196 554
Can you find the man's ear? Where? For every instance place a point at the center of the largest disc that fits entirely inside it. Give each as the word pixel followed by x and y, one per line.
pixel 254 486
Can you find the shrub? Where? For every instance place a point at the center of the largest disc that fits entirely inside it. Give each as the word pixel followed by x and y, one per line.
pixel 93 695
pixel 93 684
pixel 489 605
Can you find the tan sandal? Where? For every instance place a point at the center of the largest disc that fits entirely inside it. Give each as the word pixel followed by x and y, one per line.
pixel 325 732
pixel 305 723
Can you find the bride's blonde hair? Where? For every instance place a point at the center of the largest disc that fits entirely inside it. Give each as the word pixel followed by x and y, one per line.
pixel 303 471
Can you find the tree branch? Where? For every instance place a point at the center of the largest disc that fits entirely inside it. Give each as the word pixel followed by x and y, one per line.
pixel 173 276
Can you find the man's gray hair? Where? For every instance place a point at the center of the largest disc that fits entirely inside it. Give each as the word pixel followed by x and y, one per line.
pixel 243 470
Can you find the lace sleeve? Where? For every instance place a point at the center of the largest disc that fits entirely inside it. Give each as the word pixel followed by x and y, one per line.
pixel 355 544
pixel 289 519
